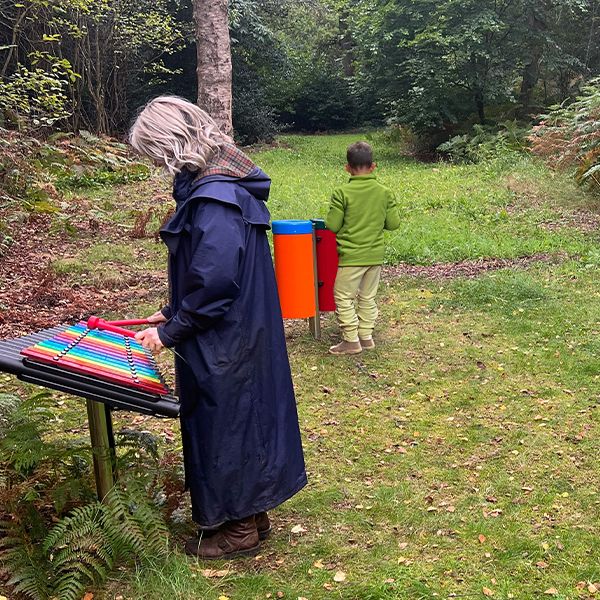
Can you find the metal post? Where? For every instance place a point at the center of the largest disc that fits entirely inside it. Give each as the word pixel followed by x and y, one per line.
pixel 103 446
pixel 315 322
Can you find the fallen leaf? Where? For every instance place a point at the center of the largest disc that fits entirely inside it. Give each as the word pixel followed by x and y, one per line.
pixel 580 585
pixel 223 597
pixel 339 576
pixel 211 573
pixel 88 596
pixel 302 598
pixel 403 545
pixel 298 529
pixel 551 592
pixel 327 586
pixel 318 564
pixel 541 564
pixel 280 594
pixel 481 538
pixel 593 588
pixel 390 580
pixel 487 592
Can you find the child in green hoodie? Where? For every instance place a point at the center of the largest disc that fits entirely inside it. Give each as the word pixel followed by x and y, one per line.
pixel 359 212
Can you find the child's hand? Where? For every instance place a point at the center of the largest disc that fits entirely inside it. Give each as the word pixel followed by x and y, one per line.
pixel 149 339
pixel 157 317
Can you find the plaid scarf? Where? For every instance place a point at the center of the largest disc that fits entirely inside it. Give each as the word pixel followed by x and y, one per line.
pixel 230 161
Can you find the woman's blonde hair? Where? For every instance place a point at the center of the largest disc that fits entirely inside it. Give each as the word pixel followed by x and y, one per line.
pixel 176 134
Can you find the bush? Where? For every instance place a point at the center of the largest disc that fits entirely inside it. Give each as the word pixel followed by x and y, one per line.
pixel 325 102
pixel 486 142
pixel 569 135
pixel 56 539
pixel 32 99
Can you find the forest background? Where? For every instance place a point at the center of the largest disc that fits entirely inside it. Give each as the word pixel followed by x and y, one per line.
pixel 438 67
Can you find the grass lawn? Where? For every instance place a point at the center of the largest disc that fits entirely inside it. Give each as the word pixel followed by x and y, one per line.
pixel 460 458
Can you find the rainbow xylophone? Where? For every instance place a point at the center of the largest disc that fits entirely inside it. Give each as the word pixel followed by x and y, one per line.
pixel 103 354
pixel 99 362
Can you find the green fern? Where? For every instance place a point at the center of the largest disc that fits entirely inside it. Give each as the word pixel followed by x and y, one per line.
pixel 87 545
pixel 24 560
pixel 8 405
pixel 37 471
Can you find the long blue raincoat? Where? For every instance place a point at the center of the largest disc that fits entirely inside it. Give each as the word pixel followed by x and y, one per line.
pixel 239 424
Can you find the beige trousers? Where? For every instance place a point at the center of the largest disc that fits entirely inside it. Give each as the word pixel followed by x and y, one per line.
pixel 354 291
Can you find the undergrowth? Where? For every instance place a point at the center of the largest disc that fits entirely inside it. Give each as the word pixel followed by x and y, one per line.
pixel 56 539
pixel 35 173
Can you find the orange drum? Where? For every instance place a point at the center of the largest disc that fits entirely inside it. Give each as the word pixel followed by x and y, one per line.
pixel 295 268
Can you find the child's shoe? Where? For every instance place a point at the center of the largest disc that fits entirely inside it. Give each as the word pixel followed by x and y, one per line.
pixel 367 344
pixel 346 348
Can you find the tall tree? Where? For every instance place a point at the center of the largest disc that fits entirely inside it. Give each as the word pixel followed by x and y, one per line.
pixel 214 60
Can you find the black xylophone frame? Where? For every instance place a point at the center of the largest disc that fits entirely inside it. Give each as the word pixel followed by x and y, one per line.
pixel 101 398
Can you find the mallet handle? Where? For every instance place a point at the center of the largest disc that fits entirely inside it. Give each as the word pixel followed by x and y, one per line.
pixel 129 322
pixel 102 325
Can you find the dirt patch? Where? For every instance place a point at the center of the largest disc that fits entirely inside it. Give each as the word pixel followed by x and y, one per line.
pixel 566 213
pixel 33 296
pixel 582 220
pixel 469 268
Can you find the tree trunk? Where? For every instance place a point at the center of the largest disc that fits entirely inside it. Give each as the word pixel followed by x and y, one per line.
pixel 480 105
pixel 536 24
pixel 214 60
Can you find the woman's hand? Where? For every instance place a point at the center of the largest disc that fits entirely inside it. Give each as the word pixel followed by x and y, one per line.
pixel 157 317
pixel 149 339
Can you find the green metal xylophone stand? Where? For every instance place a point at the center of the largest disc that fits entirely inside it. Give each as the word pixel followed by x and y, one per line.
pixel 103 446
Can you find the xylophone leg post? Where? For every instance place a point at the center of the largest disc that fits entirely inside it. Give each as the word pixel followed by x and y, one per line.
pixel 103 446
pixel 314 323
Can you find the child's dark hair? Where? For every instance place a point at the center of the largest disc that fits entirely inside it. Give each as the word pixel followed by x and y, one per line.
pixel 359 155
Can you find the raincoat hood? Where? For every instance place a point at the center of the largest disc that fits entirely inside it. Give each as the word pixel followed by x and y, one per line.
pixel 247 194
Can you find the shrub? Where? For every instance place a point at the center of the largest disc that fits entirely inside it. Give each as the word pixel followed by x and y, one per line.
pixel 325 102
pixel 569 136
pixel 33 99
pixel 485 142
pixel 253 119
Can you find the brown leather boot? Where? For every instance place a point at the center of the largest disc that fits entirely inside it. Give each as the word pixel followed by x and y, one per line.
pixel 206 532
pixel 235 538
pixel 263 525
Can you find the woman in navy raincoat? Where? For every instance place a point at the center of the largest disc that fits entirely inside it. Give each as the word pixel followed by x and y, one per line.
pixel 239 425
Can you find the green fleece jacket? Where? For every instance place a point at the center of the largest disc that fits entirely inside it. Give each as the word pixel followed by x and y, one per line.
pixel 359 212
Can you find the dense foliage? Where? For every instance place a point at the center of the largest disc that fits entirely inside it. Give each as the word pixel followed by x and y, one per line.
pixel 435 65
pixel 307 64
pixel 570 135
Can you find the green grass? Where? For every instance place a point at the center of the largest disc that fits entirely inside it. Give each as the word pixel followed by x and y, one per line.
pixel 449 212
pixel 462 453
pixel 110 264
pixel 474 417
